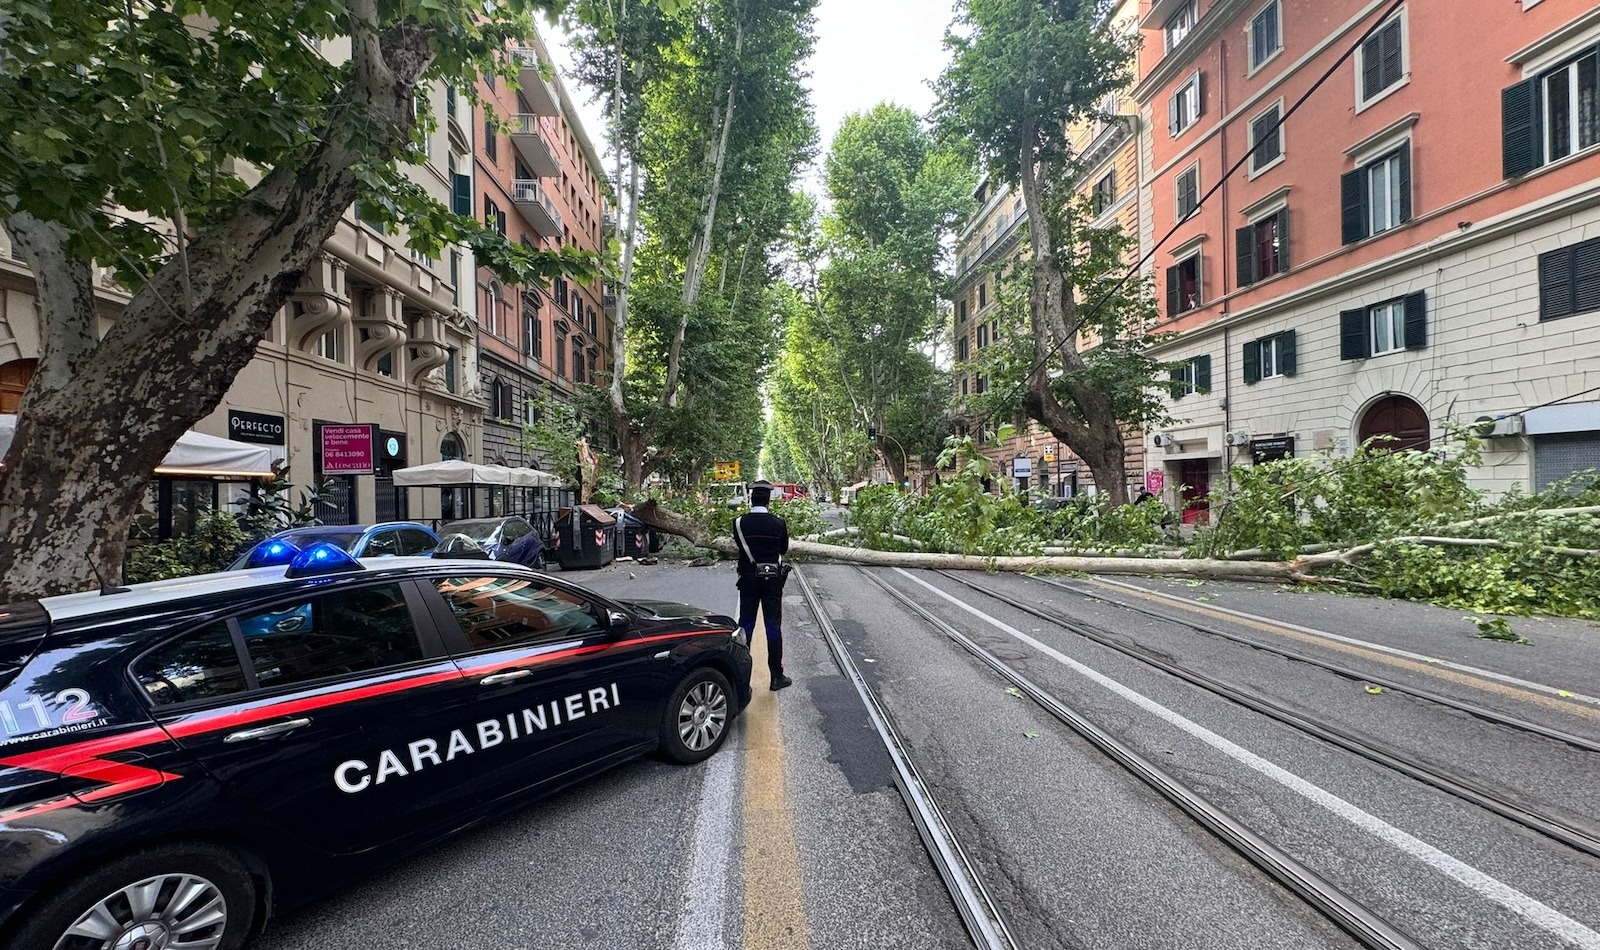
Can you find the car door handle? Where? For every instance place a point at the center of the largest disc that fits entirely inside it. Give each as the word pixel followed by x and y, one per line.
pixel 262 732
pixel 495 679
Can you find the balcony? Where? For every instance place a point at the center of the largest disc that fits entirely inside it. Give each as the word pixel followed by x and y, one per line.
pixel 536 90
pixel 531 134
pixel 537 208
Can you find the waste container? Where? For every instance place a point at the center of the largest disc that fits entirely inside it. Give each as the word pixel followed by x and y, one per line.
pixel 585 537
pixel 633 537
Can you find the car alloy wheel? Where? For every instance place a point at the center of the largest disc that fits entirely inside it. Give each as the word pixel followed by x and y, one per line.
pixel 702 716
pixel 166 912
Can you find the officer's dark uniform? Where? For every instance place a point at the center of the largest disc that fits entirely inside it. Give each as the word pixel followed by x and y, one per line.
pixel 767 537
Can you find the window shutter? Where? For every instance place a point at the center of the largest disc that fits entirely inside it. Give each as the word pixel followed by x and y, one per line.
pixel 1372 67
pixel 1586 276
pixel 1252 363
pixel 1245 239
pixel 1172 116
pixel 1392 62
pixel 1416 321
pixel 1199 95
pixel 1353 342
pixel 1353 200
pixel 1202 374
pixel 1521 138
pixel 1555 284
pixel 1283 240
pixel 1174 305
pixel 1287 364
pixel 1176 386
pixel 1405 181
pixel 463 195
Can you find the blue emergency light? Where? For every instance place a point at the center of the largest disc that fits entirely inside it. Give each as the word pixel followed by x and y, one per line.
pixel 320 559
pixel 270 553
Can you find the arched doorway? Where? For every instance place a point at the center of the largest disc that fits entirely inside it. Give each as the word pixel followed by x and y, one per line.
pixel 1400 418
pixel 14 379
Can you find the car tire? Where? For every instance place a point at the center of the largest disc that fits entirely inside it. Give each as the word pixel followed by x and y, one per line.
pixel 696 721
pixel 181 884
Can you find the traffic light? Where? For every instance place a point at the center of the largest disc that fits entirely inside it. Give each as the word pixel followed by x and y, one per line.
pixel 872 434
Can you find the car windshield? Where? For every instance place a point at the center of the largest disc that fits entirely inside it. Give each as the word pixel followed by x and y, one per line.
pixel 344 539
pixel 476 530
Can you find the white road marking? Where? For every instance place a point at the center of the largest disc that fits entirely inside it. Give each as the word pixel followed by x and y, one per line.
pixel 708 885
pixel 1364 644
pixel 1538 913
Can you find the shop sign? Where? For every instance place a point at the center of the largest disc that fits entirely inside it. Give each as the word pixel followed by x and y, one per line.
pixel 1155 480
pixel 348 450
pixel 1271 450
pixel 257 427
pixel 1022 467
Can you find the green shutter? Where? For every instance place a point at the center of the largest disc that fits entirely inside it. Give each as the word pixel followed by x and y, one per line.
pixel 1555 283
pixel 1353 202
pixel 1175 385
pixel 1283 240
pixel 1521 137
pixel 1245 243
pixel 1354 343
pixel 1405 182
pixel 1288 364
pixel 1202 374
pixel 1174 305
pixel 1252 362
pixel 1416 320
pixel 463 196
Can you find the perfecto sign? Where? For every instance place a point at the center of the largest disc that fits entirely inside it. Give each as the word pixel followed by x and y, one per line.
pixel 347 450
pixel 256 427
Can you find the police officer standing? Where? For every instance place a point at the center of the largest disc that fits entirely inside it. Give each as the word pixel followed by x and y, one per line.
pixel 763 539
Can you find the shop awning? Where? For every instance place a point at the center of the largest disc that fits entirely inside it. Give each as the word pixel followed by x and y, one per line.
pixel 200 456
pixel 454 472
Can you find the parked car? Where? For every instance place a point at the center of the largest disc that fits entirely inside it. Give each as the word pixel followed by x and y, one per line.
pixel 184 759
pixel 389 539
pixel 497 535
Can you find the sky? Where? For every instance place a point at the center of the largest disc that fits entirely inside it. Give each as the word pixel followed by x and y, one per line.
pixel 867 51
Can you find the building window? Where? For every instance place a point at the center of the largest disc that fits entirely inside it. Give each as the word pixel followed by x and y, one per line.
pixel 500 400
pixel 450 382
pixel 1269 357
pixel 1386 327
pixel 1377 196
pixel 372 219
pixel 1265 40
pixel 1190 377
pixel 1183 286
pixel 1188 190
pixel 491 149
pixel 1179 24
pixel 1381 60
pixel 455 276
pixel 1105 192
pixel 1263 248
pixel 983 335
pixel 1551 115
pixel 330 346
pixel 561 356
pixel 983 294
pixel 961 311
pixel 962 351
pixel 1569 280
pixel 493 218
pixel 530 326
pixel 966 386
pixel 1266 139
pixel 1183 109
pixel 577 362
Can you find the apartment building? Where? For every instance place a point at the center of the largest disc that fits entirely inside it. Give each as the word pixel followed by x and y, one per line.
pixel 371 353
pixel 539 182
pixel 1417 245
pixel 1107 174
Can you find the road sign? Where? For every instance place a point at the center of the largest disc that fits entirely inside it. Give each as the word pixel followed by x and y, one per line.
pixel 725 471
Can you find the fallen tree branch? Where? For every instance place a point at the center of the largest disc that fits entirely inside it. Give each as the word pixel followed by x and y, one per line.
pixel 1350 555
pixel 1250 554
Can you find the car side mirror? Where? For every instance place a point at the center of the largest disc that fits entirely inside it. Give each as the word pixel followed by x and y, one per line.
pixel 617 621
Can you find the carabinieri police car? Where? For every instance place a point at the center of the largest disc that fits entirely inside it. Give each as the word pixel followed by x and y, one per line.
pixel 180 760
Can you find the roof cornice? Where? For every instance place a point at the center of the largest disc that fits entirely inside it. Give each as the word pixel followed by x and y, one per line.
pixel 1210 26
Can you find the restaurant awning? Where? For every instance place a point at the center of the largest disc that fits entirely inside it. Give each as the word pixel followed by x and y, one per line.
pixel 196 455
pixel 455 472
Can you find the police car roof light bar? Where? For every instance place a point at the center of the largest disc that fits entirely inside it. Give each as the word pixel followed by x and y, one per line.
pixel 320 559
pixel 272 552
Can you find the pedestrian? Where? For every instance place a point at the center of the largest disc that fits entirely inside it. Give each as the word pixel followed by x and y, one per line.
pixel 763 540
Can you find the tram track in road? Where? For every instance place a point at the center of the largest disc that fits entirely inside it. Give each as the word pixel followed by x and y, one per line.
pixel 1346 912
pixel 1586 841
pixel 979 909
pixel 1475 710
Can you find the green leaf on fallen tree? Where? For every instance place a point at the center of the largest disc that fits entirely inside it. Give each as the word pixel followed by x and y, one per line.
pixel 1029 734
pixel 1375 690
pixel 1013 691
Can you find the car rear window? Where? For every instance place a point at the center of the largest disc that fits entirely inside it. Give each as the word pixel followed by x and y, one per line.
pixel 504 611
pixel 201 665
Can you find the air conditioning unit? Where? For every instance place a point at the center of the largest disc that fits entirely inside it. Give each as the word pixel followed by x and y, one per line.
pixel 1237 437
pixel 1489 427
pixel 1163 439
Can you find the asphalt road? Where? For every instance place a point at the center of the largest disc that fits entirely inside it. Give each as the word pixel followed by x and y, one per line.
pixel 795 835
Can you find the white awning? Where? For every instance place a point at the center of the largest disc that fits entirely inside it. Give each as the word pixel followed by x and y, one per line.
pixel 202 456
pixel 455 472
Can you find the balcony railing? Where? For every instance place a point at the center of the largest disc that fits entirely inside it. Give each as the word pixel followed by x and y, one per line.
pixel 532 135
pixel 536 90
pixel 537 207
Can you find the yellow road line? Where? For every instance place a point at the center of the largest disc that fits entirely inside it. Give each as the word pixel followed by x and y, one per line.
pixel 1438 672
pixel 774 898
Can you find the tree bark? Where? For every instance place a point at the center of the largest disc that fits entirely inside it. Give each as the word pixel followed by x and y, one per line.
pixel 104 413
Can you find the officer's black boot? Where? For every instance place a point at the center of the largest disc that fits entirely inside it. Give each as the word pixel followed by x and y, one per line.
pixel 779 681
